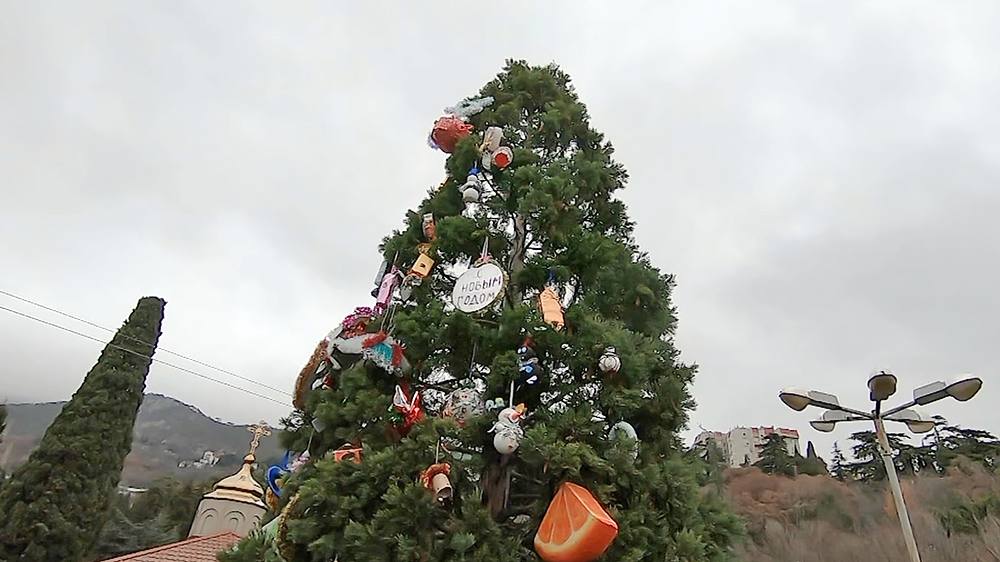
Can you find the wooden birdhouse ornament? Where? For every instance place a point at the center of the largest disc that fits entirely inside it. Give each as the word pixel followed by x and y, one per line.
pixel 551 308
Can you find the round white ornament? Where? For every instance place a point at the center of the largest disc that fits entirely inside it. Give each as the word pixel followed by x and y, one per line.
pixel 463 404
pixel 610 362
pixel 623 427
pixel 479 288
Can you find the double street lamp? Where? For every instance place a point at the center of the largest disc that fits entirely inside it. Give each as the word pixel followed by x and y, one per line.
pixel 881 386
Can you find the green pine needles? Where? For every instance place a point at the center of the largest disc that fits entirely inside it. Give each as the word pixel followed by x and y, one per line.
pixel 55 505
pixel 549 219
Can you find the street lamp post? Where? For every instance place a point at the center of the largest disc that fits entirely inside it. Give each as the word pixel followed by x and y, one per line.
pixel 881 386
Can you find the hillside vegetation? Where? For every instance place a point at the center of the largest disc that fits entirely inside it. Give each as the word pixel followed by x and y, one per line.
pixel 167 431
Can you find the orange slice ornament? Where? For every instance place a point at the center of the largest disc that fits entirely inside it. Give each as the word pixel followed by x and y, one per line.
pixel 575 527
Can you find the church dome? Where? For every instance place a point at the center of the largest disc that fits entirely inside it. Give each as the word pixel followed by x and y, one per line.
pixel 240 487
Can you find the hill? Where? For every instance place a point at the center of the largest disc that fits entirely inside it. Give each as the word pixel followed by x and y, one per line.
pixel 956 517
pixel 167 433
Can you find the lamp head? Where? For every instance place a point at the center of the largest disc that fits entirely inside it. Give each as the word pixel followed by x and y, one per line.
pixel 828 422
pixel 964 387
pixel 917 422
pixel 882 385
pixel 795 398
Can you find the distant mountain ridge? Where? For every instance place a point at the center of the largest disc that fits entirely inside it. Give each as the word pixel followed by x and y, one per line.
pixel 167 432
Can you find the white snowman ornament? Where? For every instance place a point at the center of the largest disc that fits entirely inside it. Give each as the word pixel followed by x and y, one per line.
pixel 507 430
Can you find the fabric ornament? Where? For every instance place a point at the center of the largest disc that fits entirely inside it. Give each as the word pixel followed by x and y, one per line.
pixel 507 430
pixel 408 410
pixel 435 479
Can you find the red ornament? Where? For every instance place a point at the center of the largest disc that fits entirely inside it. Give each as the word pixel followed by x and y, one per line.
pixel 347 451
pixel 409 408
pixel 448 131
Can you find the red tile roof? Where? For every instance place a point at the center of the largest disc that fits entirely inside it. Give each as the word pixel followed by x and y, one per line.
pixel 194 549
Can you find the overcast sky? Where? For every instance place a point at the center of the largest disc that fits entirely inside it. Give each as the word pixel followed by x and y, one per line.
pixel 822 177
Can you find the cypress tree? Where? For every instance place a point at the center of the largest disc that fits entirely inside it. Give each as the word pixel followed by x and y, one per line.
pixel 55 505
pixel 552 222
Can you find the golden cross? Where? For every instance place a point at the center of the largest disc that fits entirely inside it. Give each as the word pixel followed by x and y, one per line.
pixel 259 430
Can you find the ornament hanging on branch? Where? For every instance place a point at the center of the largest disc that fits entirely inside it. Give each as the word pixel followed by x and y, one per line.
pixel 493 153
pixel 349 452
pixel 623 428
pixel 507 429
pixel 388 286
pixel 453 126
pixel 385 352
pixel 277 473
pixel 551 308
pixel 406 411
pixel 463 404
pixel 435 479
pixel 575 528
pixel 481 286
pixel 529 371
pixel 429 227
pixel 609 363
pixel 472 189
pixel 304 382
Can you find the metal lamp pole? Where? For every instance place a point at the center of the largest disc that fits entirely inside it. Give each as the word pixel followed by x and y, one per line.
pixel 882 385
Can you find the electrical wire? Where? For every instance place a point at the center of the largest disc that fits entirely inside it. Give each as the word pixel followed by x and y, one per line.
pixel 109 344
pixel 159 349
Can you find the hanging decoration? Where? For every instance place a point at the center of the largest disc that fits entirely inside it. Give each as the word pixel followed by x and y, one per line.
pixel 386 289
pixel 385 352
pixel 551 308
pixel 406 411
pixel 356 323
pixel 626 429
pixel 453 126
pixel 429 227
pixel 349 452
pixel 575 528
pixel 609 363
pixel 493 153
pixel 529 370
pixel 276 473
pixel 507 429
pixel 303 384
pixel 435 479
pixel 463 404
pixel 472 189
pixel 481 286
pixel 380 276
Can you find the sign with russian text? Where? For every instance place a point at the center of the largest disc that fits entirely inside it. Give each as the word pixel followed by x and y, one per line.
pixel 479 288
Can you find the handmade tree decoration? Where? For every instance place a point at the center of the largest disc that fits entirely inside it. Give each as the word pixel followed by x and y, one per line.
pixel 507 432
pixel 493 153
pixel 435 479
pixel 529 370
pixel 576 528
pixel 481 286
pixel 384 351
pixel 472 189
pixel 453 127
pixel 422 267
pixel 463 404
pixel 609 363
pixel 406 411
pixel 276 473
pixel 551 308
pixel 386 289
pixel 349 452
pixel 303 384
pixel 429 227
pixel 623 428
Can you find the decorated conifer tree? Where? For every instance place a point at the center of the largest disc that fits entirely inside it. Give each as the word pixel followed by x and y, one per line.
pixel 56 503
pixel 514 394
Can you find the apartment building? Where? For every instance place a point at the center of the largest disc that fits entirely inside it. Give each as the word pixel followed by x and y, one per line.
pixel 742 445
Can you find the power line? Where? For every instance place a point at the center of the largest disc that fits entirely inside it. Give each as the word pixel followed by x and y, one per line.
pixel 109 344
pixel 160 349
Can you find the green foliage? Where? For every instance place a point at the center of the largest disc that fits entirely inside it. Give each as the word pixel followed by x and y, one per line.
pixel 838 464
pixel 553 213
pixel 121 535
pixel 952 442
pixel 774 457
pixel 56 504
pixel 172 501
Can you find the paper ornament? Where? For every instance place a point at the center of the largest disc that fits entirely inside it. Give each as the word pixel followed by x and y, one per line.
pixel 463 404
pixel 575 528
pixel 435 479
pixel 609 363
pixel 408 410
pixel 551 308
pixel 507 430
pixel 303 384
